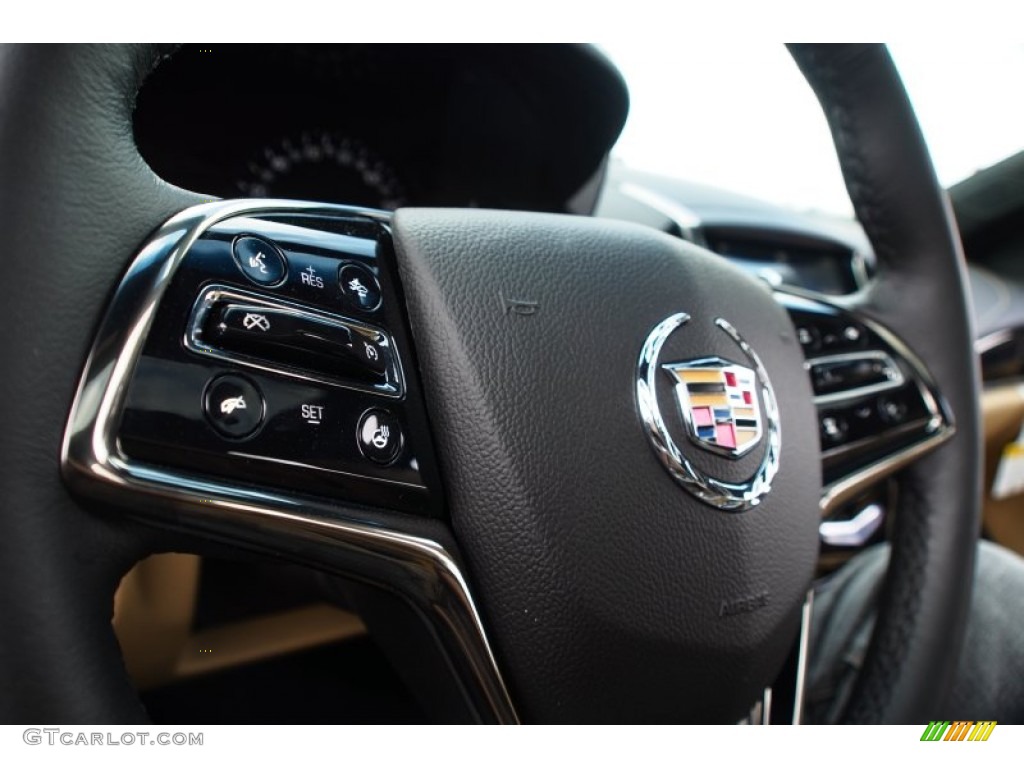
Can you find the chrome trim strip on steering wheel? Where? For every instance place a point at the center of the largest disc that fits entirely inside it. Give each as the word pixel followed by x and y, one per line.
pixel 422 571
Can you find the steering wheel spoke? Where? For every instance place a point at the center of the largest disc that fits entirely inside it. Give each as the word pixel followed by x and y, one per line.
pixel 253 383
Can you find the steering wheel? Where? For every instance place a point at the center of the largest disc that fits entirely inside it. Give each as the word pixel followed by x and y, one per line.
pixel 588 550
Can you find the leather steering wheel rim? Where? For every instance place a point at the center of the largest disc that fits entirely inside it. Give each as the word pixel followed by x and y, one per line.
pixel 77 200
pixel 920 293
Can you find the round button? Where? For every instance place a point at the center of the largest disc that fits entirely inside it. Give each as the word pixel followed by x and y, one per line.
pixel 234 406
pixel 833 429
pixel 260 261
pixel 379 436
pixel 893 410
pixel 359 287
pixel 853 334
pixel 809 338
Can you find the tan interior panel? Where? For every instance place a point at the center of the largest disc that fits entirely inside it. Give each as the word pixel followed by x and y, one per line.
pixel 1003 412
pixel 261 638
pixel 154 612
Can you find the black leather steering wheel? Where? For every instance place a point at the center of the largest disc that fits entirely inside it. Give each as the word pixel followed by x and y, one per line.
pixel 608 592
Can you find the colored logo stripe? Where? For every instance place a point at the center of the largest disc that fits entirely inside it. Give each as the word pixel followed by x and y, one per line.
pixel 958 730
pixel 982 730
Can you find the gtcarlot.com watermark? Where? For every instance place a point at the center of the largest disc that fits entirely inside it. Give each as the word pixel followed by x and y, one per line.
pixel 59 737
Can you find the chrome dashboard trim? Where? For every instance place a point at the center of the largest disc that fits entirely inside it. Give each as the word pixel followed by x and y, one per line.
pixel 425 572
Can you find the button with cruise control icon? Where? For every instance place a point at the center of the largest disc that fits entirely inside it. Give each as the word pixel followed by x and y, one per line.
pixel 234 406
pixel 379 436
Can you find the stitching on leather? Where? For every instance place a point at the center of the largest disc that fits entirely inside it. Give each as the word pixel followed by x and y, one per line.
pixel 872 214
pixel 901 602
pixel 897 613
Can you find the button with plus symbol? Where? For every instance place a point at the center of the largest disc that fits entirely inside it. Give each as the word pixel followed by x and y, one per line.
pixel 309 276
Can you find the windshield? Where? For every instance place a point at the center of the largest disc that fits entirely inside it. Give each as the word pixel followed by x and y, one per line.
pixel 741 117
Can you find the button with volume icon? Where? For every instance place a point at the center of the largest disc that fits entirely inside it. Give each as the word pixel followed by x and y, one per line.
pixel 379 436
pixel 260 261
pixel 234 406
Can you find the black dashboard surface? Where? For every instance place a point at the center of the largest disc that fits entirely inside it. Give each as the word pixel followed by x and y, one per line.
pixel 383 125
pixel 822 254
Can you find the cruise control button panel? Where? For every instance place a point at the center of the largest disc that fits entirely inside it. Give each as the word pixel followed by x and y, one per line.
pixel 277 359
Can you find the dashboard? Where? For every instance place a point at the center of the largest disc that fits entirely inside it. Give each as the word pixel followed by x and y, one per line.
pixel 520 127
pixel 823 255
